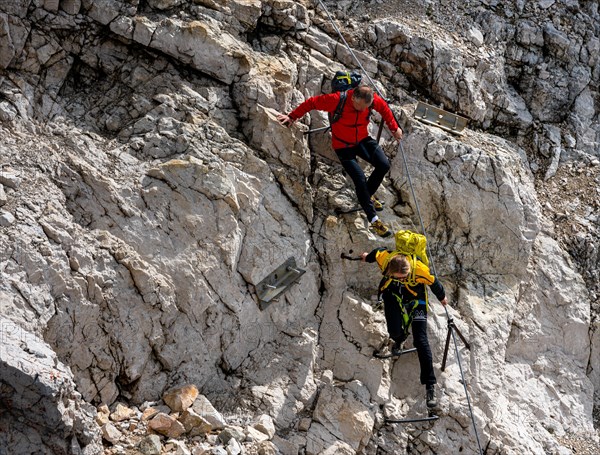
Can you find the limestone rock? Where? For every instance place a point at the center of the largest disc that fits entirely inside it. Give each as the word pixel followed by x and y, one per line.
pixel 203 449
pixel 10 179
pixel 594 359
pixel 122 412
pixel 150 445
pixel 344 417
pixel 254 435
pixel 166 425
pixel 180 447
pixel 287 15
pixel 517 208
pixel 6 218
pixel 203 47
pixel 157 189
pixel 320 41
pixel 476 36
pixel 7 111
pixel 265 425
pixel 103 416
pixel 248 12
pixel 51 5
pixel 164 4
pixel 267 448
pixel 111 434
pixel 122 26
pixel 181 398
pixel 570 315
pixel 7 53
pixel 103 11
pixel 338 447
pixel 70 6
pixel 204 408
pixel 143 30
pixel 231 432
pixel 234 447
pixel 194 424
pixel 304 424
pixel 46 411
pixel 151 412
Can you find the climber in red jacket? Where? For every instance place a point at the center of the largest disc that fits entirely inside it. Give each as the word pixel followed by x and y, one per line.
pixel 350 138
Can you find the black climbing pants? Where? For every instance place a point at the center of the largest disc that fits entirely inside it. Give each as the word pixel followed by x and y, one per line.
pixel 398 331
pixel 369 150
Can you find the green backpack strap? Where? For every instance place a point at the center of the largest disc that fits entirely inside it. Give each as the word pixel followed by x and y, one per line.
pixel 413 259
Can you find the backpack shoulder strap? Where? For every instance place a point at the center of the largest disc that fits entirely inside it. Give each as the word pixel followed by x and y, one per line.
pixel 412 259
pixel 339 108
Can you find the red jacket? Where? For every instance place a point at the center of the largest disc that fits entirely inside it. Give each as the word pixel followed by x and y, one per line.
pixel 351 128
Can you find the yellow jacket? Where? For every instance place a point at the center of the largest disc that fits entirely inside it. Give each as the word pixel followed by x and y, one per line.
pixel 413 287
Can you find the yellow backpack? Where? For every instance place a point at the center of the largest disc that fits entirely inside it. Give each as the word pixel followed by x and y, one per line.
pixel 412 244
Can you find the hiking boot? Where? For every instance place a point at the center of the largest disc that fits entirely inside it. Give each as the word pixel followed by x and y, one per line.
pixel 381 229
pixel 430 395
pixel 377 204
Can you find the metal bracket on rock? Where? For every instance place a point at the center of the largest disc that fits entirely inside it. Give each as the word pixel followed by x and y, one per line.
pixel 435 116
pixel 277 282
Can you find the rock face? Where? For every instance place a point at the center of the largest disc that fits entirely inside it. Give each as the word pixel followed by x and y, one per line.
pixel 146 188
pixel 544 67
pixel 42 412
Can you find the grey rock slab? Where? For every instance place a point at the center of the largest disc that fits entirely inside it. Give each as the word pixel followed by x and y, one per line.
pixel 45 405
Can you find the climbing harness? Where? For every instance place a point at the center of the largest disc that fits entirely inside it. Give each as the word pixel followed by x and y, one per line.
pixel 451 327
pixel 407 314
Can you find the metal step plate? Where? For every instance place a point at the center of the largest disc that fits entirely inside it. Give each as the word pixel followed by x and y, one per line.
pixel 435 116
pixel 277 282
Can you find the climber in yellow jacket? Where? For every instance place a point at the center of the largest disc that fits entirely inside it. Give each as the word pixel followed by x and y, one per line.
pixel 404 293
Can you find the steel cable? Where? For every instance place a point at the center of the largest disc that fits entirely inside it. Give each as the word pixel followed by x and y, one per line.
pixel 457 353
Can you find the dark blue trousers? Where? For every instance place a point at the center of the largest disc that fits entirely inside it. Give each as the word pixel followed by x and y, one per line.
pixel 398 331
pixel 369 150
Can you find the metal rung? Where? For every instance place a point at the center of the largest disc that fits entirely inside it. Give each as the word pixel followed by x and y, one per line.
pixel 318 130
pixel 421 419
pixel 440 118
pixel 277 282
